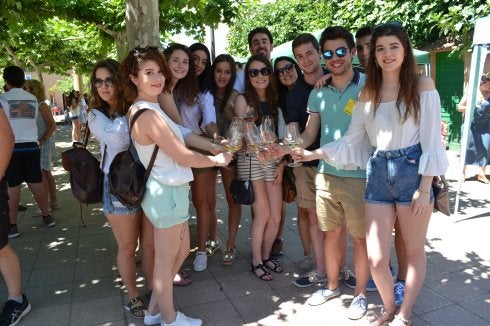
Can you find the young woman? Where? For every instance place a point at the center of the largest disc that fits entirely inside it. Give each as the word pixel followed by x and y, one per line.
pixel 74 106
pixel 197 113
pixel 166 203
pixel 46 127
pixel 287 72
pixel 261 94
pixel 399 113
pixel 224 74
pixel 108 124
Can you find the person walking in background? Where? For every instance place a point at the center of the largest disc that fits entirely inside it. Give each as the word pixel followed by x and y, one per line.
pixel 21 109
pixel 478 145
pixel 108 124
pixel 74 106
pixel 400 168
pixel 17 305
pixel 166 200
pixel 46 127
pixel 224 74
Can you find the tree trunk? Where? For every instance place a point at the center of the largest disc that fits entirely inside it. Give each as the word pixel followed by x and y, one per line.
pixel 142 23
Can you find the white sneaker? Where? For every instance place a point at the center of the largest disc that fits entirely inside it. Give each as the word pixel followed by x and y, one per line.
pixel 201 261
pixel 183 320
pixel 152 319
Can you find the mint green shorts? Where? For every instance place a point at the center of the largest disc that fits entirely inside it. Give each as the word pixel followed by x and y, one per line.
pixel 165 206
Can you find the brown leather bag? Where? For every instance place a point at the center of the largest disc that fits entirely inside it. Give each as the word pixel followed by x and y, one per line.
pixel 441 196
pixel 288 185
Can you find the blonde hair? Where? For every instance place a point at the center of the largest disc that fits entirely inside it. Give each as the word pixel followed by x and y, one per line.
pixel 35 87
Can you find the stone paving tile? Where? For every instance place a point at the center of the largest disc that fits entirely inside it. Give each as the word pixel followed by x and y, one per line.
pixel 478 306
pixel 453 315
pixel 58 315
pixel 199 292
pixel 56 259
pixel 218 313
pixel 256 306
pixel 454 287
pixel 96 312
pixel 95 289
pixel 238 285
pixel 430 300
pixel 52 275
pixel 42 296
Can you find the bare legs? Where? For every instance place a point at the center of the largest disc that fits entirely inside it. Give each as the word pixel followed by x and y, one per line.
pixel 234 209
pixel 171 249
pixel 49 185
pixel 76 131
pixel 40 196
pixel 10 269
pixel 379 225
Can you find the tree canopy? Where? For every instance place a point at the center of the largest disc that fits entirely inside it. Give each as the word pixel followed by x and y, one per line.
pixel 425 20
pixel 60 35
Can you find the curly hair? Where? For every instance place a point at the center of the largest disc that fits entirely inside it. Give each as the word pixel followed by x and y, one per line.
pixel 131 66
pixel 36 88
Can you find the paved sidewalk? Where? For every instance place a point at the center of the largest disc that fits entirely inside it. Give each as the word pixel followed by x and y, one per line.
pixel 70 274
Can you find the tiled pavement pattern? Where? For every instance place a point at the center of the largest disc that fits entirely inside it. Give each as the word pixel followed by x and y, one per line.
pixel 70 274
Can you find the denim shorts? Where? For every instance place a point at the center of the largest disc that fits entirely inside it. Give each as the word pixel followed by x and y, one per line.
pixel 112 205
pixel 393 176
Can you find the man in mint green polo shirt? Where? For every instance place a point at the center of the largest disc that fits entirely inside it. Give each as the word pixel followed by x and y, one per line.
pixel 339 193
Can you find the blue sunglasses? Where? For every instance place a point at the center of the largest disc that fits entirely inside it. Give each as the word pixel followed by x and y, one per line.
pixel 340 52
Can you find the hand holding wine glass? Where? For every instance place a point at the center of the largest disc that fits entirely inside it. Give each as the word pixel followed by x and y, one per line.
pixel 234 136
pixel 292 138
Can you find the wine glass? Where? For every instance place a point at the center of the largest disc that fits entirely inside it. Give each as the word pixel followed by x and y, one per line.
pixel 268 131
pixel 292 138
pixel 234 136
pixel 252 135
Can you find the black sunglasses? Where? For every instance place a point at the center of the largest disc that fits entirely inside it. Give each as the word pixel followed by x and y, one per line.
pixel 394 23
pixel 255 72
pixel 340 52
pixel 287 68
pixel 109 81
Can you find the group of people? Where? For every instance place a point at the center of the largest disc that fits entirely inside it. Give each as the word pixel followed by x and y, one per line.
pixel 369 146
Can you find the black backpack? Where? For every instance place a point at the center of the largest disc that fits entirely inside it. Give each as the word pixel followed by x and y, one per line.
pixel 127 175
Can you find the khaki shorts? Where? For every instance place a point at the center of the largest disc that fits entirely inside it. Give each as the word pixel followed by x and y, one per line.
pixel 340 199
pixel 305 186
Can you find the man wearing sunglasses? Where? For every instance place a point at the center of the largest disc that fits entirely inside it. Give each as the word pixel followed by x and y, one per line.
pixel 339 193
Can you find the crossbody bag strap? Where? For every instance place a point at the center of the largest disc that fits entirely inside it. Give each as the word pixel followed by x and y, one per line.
pixel 250 168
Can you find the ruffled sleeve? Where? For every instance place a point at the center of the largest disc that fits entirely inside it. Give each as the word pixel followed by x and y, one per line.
pixel 352 150
pixel 433 160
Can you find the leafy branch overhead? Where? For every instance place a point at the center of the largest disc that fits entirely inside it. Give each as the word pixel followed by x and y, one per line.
pixel 425 20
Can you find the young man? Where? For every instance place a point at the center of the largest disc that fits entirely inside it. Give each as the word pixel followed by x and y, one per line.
pixel 21 108
pixel 17 305
pixel 363 44
pixel 306 50
pixel 339 193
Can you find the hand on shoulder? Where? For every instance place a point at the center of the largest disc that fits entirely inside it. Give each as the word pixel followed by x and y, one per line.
pixel 425 83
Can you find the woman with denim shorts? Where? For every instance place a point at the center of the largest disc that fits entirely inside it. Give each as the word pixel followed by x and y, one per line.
pixel 399 112
pixel 107 122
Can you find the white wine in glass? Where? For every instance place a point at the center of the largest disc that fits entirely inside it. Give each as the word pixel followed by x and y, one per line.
pixel 234 136
pixel 292 139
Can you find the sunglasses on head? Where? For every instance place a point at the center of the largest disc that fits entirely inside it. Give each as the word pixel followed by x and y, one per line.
pixel 287 68
pixel 109 81
pixel 394 23
pixel 340 52
pixel 255 72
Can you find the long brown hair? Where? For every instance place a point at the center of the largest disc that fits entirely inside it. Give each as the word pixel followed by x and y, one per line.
pixel 408 91
pixel 186 89
pixel 131 66
pixel 251 95
pixel 97 102
pixel 229 87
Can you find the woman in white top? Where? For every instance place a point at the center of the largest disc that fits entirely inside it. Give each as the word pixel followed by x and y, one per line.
pixel 166 201
pixel 74 107
pixel 198 114
pixel 399 114
pixel 107 122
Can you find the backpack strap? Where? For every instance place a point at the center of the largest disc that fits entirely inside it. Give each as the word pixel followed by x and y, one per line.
pixel 155 149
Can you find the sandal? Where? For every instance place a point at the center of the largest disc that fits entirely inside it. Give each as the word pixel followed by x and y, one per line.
pixel 136 307
pixel 400 321
pixel 182 278
pixel 261 272
pixel 383 318
pixel 229 256
pixel 273 265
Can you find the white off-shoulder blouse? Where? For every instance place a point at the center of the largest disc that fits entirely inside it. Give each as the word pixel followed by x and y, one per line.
pixel 385 130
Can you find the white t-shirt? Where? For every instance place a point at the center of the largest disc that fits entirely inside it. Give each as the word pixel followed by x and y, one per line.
pixel 22 110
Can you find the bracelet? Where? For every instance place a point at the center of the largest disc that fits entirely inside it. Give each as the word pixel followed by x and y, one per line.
pixel 424 192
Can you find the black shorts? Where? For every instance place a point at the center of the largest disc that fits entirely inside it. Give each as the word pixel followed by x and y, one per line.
pixel 25 165
pixel 4 214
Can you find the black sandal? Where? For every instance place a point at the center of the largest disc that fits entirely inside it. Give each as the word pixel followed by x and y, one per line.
pixel 136 307
pixel 264 275
pixel 273 265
